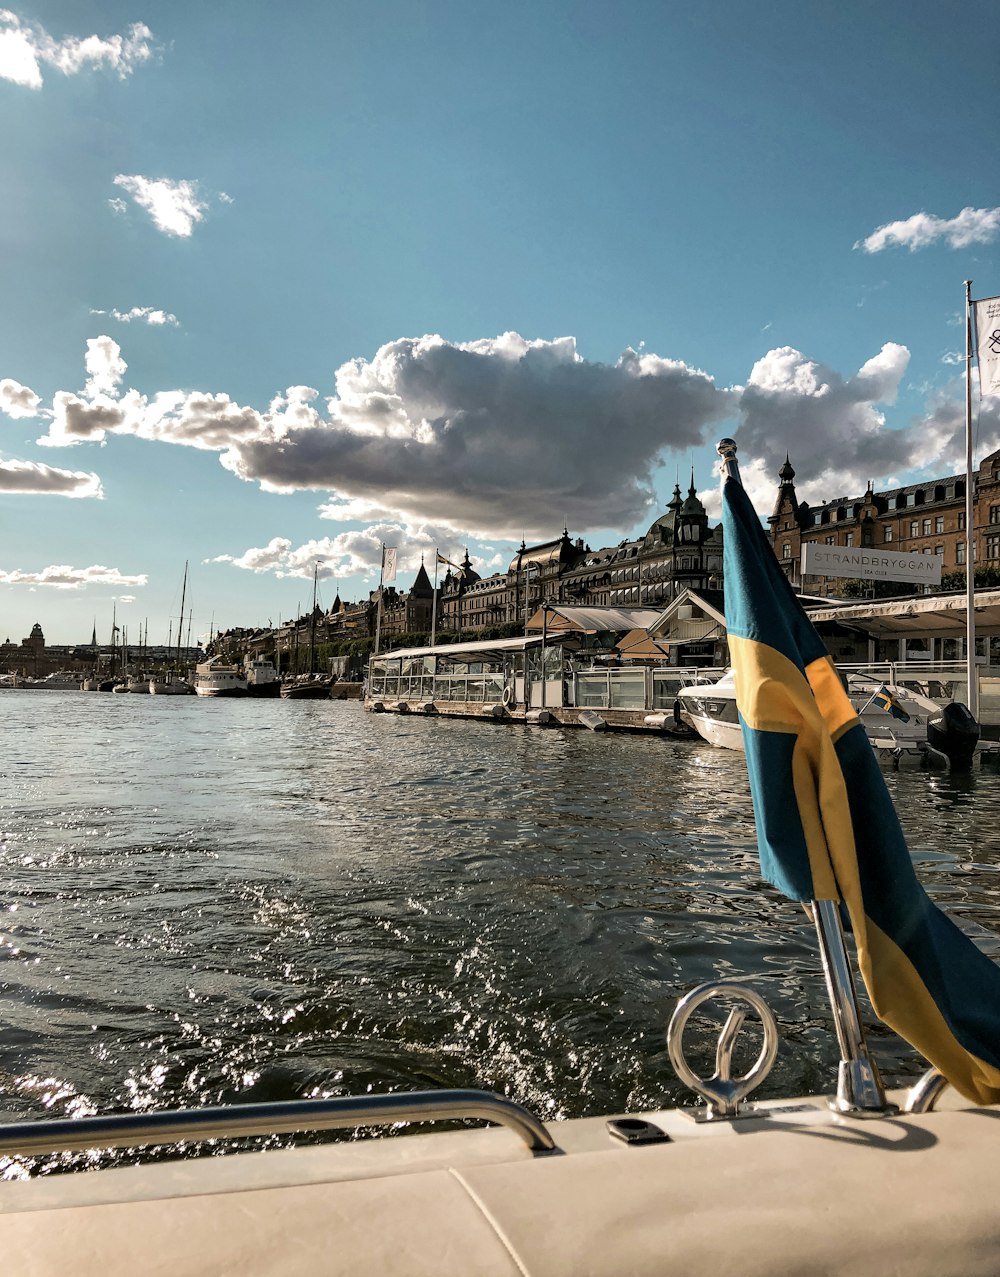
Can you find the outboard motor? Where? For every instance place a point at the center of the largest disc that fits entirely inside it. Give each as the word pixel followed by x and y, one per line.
pixel 955 733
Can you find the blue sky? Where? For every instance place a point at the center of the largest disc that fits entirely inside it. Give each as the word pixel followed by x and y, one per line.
pixel 284 282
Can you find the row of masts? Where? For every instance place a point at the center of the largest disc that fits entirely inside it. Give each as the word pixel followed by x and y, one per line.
pixel 122 630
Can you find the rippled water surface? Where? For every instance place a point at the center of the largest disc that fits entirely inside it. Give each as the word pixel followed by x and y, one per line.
pixel 208 902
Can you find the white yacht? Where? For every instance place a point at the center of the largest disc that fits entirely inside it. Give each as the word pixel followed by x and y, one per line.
pixel 215 678
pixel 60 681
pixel 169 684
pixel 898 721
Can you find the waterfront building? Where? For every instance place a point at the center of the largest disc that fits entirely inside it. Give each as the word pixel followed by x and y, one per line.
pixel 926 518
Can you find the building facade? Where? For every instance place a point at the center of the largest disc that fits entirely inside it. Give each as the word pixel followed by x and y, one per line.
pixel 924 518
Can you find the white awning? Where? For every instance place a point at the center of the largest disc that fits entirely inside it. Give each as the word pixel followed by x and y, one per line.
pixel 934 614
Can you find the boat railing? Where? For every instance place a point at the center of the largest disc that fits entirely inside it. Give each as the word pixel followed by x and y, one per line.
pixel 942 681
pixel 126 1130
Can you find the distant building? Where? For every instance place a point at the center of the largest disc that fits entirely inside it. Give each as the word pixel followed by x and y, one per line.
pixel 925 518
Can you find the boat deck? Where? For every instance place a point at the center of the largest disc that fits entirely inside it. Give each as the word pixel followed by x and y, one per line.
pixel 800 1192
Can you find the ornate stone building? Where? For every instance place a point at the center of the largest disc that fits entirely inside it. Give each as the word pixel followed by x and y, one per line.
pixel 926 518
pixel 679 551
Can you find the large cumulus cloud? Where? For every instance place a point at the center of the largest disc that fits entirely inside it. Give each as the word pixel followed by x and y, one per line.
pixel 836 432
pixel 506 437
pixel 503 435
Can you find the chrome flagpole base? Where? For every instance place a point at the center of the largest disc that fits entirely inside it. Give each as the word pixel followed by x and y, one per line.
pixel 860 1092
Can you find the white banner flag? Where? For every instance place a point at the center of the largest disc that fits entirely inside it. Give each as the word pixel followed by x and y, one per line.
pixel 988 344
pixel 388 563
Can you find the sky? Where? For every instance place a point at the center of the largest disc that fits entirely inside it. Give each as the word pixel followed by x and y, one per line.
pixel 283 284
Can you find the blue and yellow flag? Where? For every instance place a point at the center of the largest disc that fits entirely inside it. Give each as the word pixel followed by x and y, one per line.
pixel 826 826
pixel 884 699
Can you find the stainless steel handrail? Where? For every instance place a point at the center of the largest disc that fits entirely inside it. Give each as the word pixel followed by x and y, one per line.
pixel 925 1093
pixel 121 1130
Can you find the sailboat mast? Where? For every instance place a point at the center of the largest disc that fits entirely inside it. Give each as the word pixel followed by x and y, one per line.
pixel 180 626
pixel 312 625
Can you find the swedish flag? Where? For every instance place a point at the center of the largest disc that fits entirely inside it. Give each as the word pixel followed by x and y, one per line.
pixel 884 699
pixel 826 826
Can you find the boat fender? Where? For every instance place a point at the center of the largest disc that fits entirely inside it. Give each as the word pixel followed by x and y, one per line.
pixel 678 721
pixel 507 697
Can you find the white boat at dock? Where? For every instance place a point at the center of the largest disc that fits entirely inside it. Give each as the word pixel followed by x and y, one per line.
pixel 262 677
pixel 307 687
pixel 170 684
pixel 215 678
pixel 59 681
pixel 901 723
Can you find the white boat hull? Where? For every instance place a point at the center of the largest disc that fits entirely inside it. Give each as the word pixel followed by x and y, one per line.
pixel 215 679
pixel 711 710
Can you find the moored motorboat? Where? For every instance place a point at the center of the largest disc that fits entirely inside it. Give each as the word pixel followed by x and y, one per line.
pixel 262 677
pixel 308 687
pixel 215 678
pixel 169 684
pixel 898 721
pixel 60 681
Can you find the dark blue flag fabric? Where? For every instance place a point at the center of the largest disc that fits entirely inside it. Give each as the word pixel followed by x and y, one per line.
pixel 826 826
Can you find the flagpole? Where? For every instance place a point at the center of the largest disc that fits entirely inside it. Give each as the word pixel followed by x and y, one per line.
pixel 434 599
pixel 859 1087
pixel 378 613
pixel 972 673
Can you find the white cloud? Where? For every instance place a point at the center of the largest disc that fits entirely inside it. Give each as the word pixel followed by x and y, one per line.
pixel 144 314
pixel 970 226
pixel 505 435
pixel 105 367
pixel 836 435
pixel 831 425
pixel 358 552
pixel 29 478
pixel 63 577
pixel 117 206
pixel 17 400
pixel 25 48
pixel 263 559
pixel 173 206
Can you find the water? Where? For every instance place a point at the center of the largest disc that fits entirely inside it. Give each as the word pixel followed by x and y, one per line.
pixel 207 902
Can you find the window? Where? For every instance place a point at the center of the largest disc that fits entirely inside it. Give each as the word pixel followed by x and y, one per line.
pixel 850 539
pixel 993 545
pixel 939 551
pixel 926 527
pixel 995 514
pixel 831 540
pixel 961 521
pixel 914 527
pixel 960 552
pixel 786 551
pixel 939 523
pixel 887 533
pixel 818 517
